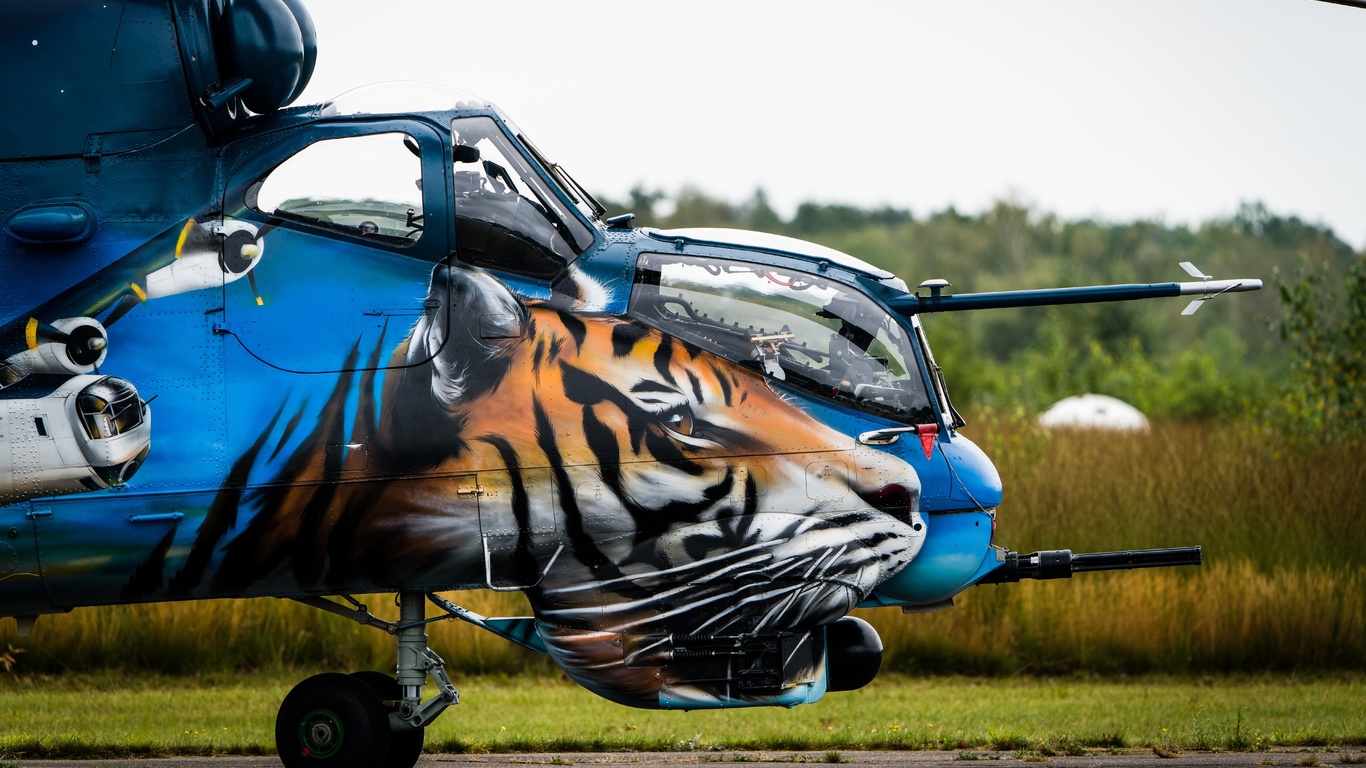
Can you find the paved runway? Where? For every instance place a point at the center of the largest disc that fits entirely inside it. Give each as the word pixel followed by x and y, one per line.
pixel 1133 758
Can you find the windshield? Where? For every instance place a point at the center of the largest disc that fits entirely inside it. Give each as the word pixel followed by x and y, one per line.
pixel 507 216
pixel 807 332
pixel 588 204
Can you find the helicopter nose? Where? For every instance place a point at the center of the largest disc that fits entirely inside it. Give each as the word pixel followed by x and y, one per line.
pixel 899 542
pixel 899 500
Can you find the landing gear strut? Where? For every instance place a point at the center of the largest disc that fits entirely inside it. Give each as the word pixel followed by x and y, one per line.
pixel 366 720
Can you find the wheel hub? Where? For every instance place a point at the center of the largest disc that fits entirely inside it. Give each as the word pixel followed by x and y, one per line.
pixel 321 734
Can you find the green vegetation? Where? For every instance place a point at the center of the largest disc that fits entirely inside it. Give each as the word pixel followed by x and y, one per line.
pixel 1226 362
pixel 151 716
pixel 1328 355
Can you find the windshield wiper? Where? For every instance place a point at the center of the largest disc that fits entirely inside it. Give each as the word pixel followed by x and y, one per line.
pixel 598 208
pixel 571 186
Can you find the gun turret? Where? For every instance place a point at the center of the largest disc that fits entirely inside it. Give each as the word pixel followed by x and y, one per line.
pixel 1061 563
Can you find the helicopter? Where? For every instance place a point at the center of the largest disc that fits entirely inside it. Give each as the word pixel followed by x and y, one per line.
pixel 392 348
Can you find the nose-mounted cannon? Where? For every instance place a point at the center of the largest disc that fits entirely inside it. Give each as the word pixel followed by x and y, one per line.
pixel 1061 563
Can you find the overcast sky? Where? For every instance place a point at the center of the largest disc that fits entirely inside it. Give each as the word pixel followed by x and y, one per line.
pixel 1170 109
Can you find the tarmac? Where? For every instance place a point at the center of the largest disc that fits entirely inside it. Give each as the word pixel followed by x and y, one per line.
pixel 1095 758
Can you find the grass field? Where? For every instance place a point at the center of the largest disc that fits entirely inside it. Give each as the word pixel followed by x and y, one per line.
pixel 111 715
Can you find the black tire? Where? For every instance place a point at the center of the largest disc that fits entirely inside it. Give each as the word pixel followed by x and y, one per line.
pixel 405 747
pixel 384 686
pixel 332 721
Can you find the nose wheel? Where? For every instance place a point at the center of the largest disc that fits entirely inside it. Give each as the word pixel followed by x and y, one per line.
pixel 367 719
pixel 405 746
pixel 332 721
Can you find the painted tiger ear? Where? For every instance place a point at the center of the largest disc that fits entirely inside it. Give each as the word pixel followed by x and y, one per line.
pixel 459 350
pixel 486 320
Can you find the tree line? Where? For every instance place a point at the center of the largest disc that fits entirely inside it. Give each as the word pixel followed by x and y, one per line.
pixel 1292 351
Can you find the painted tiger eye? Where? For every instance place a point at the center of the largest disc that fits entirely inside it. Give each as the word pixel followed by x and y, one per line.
pixel 680 422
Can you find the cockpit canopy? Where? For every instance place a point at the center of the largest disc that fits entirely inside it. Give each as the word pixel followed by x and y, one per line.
pixel 397 98
pixel 109 407
pixel 507 216
pixel 814 334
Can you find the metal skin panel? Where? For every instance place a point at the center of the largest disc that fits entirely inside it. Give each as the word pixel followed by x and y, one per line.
pixel 89 69
pixel 21 587
pixel 976 480
pixel 378 421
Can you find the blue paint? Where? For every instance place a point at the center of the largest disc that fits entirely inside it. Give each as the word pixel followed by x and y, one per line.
pixel 975 479
pixel 956 549
pixel 56 223
pixel 801 693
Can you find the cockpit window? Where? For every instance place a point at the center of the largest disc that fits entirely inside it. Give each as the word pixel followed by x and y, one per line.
pixel 507 217
pixel 365 186
pixel 108 408
pixel 805 331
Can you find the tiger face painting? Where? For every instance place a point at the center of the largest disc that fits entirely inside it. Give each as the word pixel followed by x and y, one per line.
pixel 633 486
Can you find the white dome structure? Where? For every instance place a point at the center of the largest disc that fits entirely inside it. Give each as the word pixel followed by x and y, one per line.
pixel 1093 412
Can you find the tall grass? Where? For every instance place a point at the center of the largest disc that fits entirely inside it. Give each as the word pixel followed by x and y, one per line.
pixel 258 634
pixel 1240 491
pixel 1282 588
pixel 1229 617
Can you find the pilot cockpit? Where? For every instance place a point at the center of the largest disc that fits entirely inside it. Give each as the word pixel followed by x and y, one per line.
pixel 507 216
pixel 808 332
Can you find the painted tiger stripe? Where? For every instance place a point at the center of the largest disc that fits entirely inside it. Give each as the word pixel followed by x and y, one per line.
pixel 524 564
pixel 575 326
pixel 587 389
pixel 602 441
pixel 147 578
pixel 625 336
pixel 536 359
pixel 290 428
pixel 652 386
pixel 222 515
pixel 306 550
pixel 342 539
pixel 340 569
pixel 696 388
pixel 663 449
pixel 310 560
pixel 678 511
pixel 585 550
pixel 722 382
pixel 663 356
